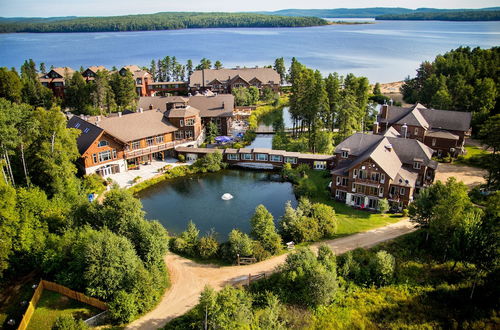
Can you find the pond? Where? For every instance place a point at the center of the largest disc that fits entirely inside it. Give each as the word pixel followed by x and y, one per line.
pixel 198 198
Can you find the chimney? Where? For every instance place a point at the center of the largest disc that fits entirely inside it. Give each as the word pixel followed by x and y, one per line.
pixel 141 110
pixel 98 118
pixel 388 147
pixel 82 117
pixel 404 130
pixel 203 77
pixel 119 114
pixel 375 128
pixel 384 112
pixel 150 107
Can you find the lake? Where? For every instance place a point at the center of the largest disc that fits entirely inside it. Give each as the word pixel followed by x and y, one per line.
pixel 384 51
pixel 198 198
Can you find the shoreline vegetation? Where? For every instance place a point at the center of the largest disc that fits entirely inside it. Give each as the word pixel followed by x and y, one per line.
pixel 153 22
pixel 466 15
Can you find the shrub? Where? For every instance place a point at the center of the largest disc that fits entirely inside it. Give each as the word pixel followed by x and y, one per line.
pixel 181 158
pixel 384 267
pixel 406 213
pixel 207 247
pixel 68 322
pixel 259 252
pixel 239 243
pixel 383 205
pixel 264 231
pixel 123 308
pixel 94 183
pixel 325 216
pixel 136 179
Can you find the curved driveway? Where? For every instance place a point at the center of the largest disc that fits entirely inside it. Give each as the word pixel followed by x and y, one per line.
pixel 188 278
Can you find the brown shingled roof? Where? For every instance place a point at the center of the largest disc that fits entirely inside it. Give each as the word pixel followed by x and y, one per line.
pixel 265 75
pixel 137 125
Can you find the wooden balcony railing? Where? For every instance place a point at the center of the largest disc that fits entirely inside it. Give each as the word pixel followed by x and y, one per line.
pixel 152 149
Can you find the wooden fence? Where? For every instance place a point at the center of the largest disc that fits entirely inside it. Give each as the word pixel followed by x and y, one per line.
pixel 59 289
pixel 252 278
pixel 245 260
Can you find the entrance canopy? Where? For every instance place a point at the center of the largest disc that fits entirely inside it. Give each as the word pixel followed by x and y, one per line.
pixel 223 138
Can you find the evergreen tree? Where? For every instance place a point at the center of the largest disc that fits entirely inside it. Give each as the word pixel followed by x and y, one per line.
pixel 279 66
pixel 218 65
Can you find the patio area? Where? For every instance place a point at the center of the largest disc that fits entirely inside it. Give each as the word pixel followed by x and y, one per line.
pixel 126 179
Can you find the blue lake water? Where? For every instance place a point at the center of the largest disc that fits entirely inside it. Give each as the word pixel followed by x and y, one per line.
pixel 384 51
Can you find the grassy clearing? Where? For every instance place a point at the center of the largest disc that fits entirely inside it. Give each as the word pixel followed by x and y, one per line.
pixel 473 157
pixel 52 305
pixel 350 220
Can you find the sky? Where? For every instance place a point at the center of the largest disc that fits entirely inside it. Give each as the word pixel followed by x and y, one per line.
pixel 50 8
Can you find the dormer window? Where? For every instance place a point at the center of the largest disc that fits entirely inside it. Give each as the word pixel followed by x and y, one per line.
pixel 416 130
pixel 103 143
pixel 417 165
pixel 345 154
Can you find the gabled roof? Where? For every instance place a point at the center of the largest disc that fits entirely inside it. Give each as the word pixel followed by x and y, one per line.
pixel 442 119
pixel 358 143
pixel 392 132
pixel 182 112
pixel 235 78
pixel 89 133
pixel 137 125
pixel 406 178
pixel 132 68
pixel 96 68
pixel 221 105
pixel 409 149
pixel 414 118
pixel 265 75
pixel 63 71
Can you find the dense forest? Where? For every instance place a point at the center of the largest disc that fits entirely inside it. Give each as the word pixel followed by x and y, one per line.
pixel 466 15
pixel 158 21
pixel 463 79
pixel 363 12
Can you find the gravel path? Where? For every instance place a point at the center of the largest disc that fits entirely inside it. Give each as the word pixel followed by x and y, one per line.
pixel 188 278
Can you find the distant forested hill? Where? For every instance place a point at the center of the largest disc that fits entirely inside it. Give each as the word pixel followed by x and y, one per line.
pixel 158 21
pixel 465 15
pixel 365 12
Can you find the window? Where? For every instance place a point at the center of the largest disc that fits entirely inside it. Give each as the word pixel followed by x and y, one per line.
pixel 362 174
pixel 291 160
pixel 139 81
pixel 159 139
pixel 261 157
pixel 375 176
pixel 345 154
pixel 179 135
pixel 94 157
pixel 181 123
pixel 416 130
pixel 275 158
pixel 150 141
pixel 355 173
pixel 382 178
pixel 416 165
pixel 86 130
pixel 354 187
pixel 319 165
pixel 338 181
pixel 188 134
pixel 381 191
pixel 372 203
pixel 232 157
pixel 114 153
pixel 190 122
pixel 402 191
pixel 136 145
pixel 246 157
pixel 433 142
pixel 77 125
pixel 104 156
pixel 345 181
pixel 103 143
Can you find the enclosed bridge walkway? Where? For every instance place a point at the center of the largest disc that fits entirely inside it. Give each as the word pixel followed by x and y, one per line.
pixel 261 158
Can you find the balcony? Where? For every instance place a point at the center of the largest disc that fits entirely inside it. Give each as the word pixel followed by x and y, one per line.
pixel 367 181
pixel 154 148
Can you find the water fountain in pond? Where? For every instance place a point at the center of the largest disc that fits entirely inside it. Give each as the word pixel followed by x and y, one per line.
pixel 227 196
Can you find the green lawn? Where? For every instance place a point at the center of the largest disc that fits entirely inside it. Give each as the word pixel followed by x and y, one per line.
pixel 52 305
pixel 473 156
pixel 350 220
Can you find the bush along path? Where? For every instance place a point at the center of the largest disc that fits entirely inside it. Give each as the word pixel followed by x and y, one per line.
pixel 188 278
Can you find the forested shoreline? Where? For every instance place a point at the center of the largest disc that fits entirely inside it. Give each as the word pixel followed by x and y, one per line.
pixel 158 21
pixel 466 15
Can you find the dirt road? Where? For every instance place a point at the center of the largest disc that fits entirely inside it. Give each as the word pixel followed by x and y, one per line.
pixel 189 278
pixel 471 176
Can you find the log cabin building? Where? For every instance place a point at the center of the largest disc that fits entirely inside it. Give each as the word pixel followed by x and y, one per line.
pixel 442 130
pixel 55 80
pixel 223 81
pixel 120 142
pixel 370 167
pixel 213 108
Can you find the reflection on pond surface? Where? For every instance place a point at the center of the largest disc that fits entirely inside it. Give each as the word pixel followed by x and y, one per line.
pixel 198 198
